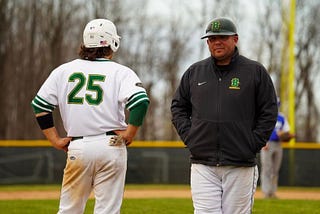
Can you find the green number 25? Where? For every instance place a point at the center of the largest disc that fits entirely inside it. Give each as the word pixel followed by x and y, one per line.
pixel 91 85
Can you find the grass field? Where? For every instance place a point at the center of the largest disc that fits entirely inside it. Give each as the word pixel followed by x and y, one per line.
pixel 161 206
pixel 152 205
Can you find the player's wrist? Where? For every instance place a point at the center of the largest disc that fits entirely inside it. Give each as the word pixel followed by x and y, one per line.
pixel 45 120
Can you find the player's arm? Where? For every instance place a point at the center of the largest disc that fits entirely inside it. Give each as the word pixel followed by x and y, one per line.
pixel 136 117
pixel 43 113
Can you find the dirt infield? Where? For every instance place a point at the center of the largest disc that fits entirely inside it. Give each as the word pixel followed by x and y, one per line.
pixel 152 193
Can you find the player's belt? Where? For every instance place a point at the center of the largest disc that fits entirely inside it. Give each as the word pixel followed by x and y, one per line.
pixel 81 137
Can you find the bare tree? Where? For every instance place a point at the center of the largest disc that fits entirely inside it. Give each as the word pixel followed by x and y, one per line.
pixel 144 48
pixel 269 31
pixel 272 50
pixel 176 53
pixel 307 57
pixel 36 34
pixel 6 12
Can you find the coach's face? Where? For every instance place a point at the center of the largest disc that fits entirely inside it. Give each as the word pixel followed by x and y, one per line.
pixel 222 47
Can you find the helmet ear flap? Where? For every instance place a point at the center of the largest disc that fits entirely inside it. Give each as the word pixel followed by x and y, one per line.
pixel 115 44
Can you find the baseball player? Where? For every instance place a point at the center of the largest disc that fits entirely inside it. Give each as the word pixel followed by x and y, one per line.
pixel 271 156
pixel 224 111
pixel 92 94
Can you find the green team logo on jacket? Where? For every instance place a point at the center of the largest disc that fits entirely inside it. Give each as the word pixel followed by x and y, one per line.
pixel 235 83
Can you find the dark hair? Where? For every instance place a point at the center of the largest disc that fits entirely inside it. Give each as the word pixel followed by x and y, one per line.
pixel 94 53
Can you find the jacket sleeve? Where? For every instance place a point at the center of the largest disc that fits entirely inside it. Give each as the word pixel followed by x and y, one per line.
pixel 266 108
pixel 181 108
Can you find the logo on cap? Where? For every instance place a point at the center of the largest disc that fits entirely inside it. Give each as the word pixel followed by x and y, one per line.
pixel 215 26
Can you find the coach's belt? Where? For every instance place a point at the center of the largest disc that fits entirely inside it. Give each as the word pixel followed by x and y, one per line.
pixel 81 137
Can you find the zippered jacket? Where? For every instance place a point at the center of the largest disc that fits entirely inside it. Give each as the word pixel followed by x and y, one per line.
pixel 226 116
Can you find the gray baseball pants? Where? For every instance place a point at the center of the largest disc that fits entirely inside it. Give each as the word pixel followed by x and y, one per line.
pixel 271 159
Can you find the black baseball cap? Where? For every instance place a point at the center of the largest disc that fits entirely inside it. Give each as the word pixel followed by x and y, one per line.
pixel 220 26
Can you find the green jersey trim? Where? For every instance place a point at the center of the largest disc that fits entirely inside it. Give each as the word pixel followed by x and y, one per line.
pixel 136 99
pixel 40 105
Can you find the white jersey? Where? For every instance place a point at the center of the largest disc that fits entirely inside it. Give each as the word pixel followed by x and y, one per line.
pixel 91 95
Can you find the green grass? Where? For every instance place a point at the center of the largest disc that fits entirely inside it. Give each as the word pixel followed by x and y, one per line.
pixel 153 205
pixel 129 206
pixel 286 206
pixel 161 206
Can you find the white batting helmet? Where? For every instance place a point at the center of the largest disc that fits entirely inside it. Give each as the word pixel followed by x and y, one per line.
pixel 101 33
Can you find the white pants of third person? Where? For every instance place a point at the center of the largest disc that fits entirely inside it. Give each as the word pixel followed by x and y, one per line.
pixel 223 189
pixel 271 159
pixel 93 165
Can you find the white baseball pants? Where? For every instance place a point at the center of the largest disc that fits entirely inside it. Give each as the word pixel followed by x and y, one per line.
pixel 92 164
pixel 223 189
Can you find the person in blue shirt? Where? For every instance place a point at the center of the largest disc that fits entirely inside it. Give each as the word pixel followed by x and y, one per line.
pixel 271 156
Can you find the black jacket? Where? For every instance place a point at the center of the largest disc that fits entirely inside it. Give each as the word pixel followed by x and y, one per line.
pixel 225 117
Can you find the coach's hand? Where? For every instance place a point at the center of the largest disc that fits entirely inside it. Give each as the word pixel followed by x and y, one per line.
pixel 266 147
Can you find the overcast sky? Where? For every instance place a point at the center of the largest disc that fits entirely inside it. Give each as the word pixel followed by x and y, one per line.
pixel 165 8
pixel 248 9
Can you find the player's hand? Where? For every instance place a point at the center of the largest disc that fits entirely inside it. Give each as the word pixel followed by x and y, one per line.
pixel 55 139
pixel 126 136
pixel 285 136
pixel 62 143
